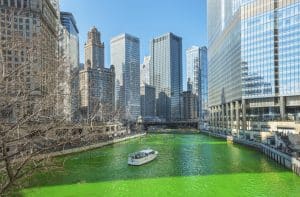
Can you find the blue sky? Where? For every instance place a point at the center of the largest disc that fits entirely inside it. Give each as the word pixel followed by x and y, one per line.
pixel 145 19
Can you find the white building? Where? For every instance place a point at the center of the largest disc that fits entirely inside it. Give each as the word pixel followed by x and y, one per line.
pixel 145 71
pixel 97 93
pixel 68 107
pixel 125 56
pixel 96 82
pixel 196 62
pixel 94 49
pixel 28 29
pixel 193 68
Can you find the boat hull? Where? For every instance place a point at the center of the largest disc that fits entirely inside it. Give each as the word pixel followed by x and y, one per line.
pixel 141 161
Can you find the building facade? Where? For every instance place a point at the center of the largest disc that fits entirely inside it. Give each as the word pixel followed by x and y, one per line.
pixel 29 43
pixel 94 49
pixel 68 107
pixel 189 102
pixel 125 56
pixel 253 68
pixel 89 93
pixel 147 101
pixel 97 94
pixel 193 71
pixel 166 75
pixel 145 71
pixel 97 83
pixel 107 96
pixel 203 109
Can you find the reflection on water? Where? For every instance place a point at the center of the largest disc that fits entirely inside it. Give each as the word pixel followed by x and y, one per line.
pixel 191 163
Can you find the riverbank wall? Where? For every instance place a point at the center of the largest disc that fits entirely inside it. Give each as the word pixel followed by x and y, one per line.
pixel 91 147
pixel 173 131
pixel 281 158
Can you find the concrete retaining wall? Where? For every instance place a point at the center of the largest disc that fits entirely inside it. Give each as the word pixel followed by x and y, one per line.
pixel 90 147
pixel 280 157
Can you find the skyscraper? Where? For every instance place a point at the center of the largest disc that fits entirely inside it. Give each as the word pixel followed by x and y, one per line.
pixel 224 64
pixel 203 109
pixel 28 43
pixel 189 102
pixel 196 62
pixel 145 71
pixel 97 83
pixel 94 49
pixel 193 69
pixel 68 107
pixel 90 93
pixel 166 75
pixel 125 56
pixel 253 68
pixel 147 101
pixel 107 96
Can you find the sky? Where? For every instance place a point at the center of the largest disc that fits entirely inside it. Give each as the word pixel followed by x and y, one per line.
pixel 145 19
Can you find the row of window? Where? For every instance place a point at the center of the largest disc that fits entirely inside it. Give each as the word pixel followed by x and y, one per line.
pixel 15 3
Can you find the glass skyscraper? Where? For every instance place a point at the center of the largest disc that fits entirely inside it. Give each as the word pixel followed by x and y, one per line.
pixel 125 56
pixel 254 64
pixel 166 75
pixel 270 58
pixel 224 64
pixel 203 110
pixel 193 69
pixel 196 62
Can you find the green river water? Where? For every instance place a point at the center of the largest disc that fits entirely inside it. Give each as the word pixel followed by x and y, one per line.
pixel 187 165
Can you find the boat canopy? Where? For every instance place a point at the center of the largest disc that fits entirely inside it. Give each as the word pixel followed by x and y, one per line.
pixel 142 153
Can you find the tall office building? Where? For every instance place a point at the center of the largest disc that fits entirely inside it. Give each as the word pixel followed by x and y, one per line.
pixel 196 62
pixel 68 107
pixel 125 56
pixel 94 49
pixel 253 68
pixel 29 41
pixel 89 90
pixel 97 83
pixel 189 102
pixel 193 69
pixel 107 96
pixel 203 109
pixel 166 75
pixel 224 65
pixel 145 71
pixel 97 93
pixel 147 101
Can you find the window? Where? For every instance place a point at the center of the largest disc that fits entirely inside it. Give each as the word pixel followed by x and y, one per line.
pixel 19 3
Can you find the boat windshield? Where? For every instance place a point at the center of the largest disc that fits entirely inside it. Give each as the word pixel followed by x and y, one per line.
pixel 141 154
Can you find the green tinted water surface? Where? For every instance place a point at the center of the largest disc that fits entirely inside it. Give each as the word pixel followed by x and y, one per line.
pixel 187 165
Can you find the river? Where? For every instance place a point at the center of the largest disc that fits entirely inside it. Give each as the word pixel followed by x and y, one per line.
pixel 187 165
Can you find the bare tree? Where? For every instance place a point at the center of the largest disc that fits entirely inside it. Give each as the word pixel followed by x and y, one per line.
pixel 104 112
pixel 29 125
pixel 30 95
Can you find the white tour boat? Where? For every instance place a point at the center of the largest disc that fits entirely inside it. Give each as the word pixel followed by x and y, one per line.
pixel 142 157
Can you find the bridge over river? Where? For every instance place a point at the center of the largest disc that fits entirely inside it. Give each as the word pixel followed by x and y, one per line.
pixel 171 125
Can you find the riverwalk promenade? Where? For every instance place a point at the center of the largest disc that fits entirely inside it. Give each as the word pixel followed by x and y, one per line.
pixel 284 159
